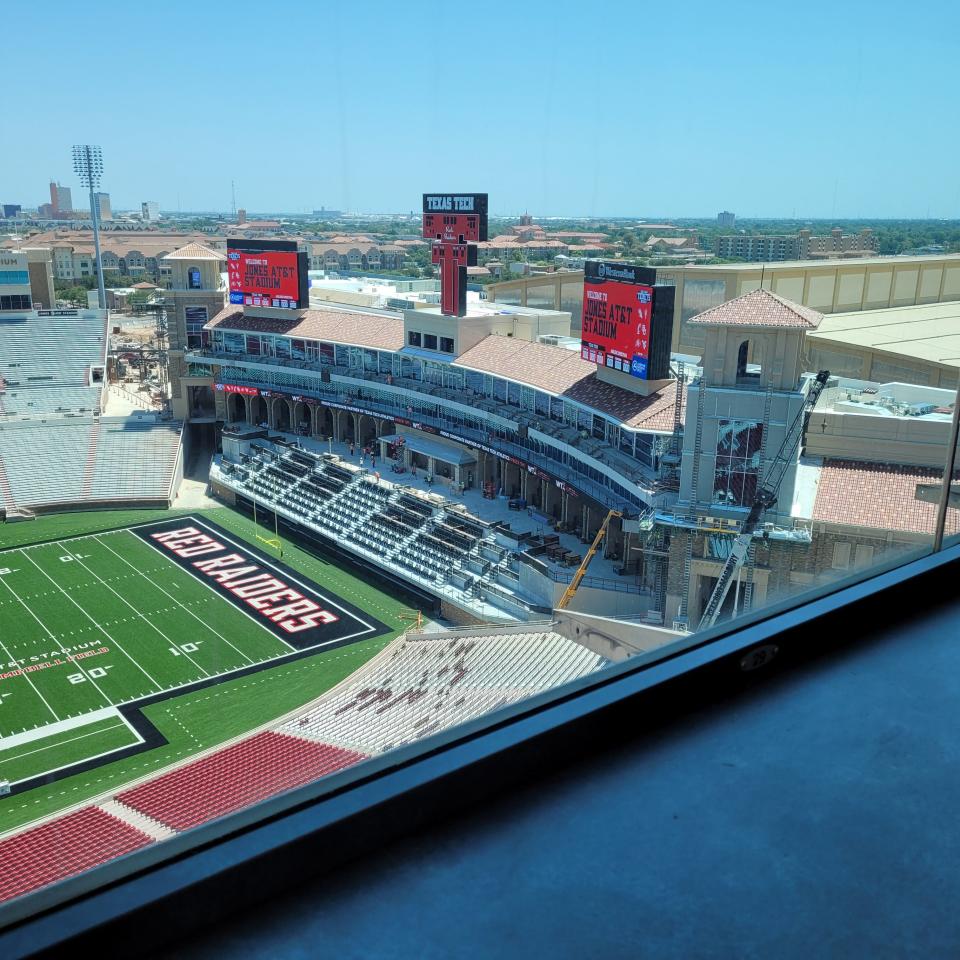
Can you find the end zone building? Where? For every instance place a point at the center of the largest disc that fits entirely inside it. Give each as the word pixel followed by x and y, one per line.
pixel 493 400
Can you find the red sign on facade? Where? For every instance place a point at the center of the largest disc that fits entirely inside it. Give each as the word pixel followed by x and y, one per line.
pixel 237 388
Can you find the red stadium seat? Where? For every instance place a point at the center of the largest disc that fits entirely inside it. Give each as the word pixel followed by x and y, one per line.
pixel 241 775
pixel 62 848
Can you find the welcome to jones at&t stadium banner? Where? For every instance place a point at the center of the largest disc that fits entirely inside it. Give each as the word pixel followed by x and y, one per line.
pixel 617 310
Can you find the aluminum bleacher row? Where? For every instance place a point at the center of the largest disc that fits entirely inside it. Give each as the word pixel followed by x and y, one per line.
pixel 55 449
pixel 68 460
pixel 396 526
pixel 46 364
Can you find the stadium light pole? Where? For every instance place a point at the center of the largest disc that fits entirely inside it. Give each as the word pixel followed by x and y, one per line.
pixel 88 166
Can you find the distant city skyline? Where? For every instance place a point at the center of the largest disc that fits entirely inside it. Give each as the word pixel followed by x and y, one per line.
pixel 624 109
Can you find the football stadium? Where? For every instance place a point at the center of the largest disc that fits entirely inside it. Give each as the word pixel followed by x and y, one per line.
pixel 341 530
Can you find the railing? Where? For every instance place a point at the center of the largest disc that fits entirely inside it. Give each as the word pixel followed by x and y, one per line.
pixel 601 494
pixel 601 583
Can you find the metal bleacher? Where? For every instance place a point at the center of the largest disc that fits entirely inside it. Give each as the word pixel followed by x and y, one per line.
pixel 55 448
pixel 85 459
pixel 46 364
pixel 424 540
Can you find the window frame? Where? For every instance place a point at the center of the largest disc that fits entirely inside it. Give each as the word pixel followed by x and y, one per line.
pixel 197 878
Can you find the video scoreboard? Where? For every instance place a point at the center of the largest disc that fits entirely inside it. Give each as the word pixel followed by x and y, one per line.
pixel 627 321
pixel 268 273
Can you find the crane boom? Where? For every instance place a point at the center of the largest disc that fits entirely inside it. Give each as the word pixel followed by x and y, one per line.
pixel 765 498
pixel 582 569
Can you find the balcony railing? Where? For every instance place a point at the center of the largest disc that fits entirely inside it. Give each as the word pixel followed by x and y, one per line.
pixel 526 452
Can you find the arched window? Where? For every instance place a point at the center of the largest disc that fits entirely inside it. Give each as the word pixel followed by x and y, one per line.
pixel 751 373
pixel 193 279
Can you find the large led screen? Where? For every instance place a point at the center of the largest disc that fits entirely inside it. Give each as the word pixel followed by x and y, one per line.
pixel 617 308
pixel 264 274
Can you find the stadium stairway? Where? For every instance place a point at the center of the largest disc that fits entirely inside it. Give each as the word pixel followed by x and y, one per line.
pixel 87 487
pixel 6 494
pixel 137 820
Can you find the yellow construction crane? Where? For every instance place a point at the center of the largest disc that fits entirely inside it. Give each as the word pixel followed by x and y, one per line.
pixel 582 569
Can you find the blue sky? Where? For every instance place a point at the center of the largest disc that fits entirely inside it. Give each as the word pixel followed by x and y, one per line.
pixel 840 109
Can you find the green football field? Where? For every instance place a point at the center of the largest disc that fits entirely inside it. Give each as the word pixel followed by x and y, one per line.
pixel 93 619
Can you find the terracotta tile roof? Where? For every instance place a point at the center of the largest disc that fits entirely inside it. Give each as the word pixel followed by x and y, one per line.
pixel 880 495
pixel 195 251
pixel 335 326
pixel 564 373
pixel 759 308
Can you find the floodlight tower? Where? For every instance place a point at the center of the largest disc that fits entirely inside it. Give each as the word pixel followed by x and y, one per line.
pixel 88 166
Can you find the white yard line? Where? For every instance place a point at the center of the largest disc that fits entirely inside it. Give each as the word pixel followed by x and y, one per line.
pixel 199 620
pixel 11 659
pixel 61 726
pixel 77 663
pixel 152 626
pixel 53 746
pixel 96 756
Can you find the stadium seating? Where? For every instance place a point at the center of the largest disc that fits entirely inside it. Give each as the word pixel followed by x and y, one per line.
pixel 417 687
pixel 55 450
pixel 235 777
pixel 63 847
pixel 45 364
pixel 74 459
pixel 442 547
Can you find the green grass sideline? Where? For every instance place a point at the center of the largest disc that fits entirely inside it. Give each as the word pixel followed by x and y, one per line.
pixel 197 721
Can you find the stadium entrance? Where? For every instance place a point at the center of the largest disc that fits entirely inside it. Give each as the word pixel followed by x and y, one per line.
pixel 200 446
pixel 202 406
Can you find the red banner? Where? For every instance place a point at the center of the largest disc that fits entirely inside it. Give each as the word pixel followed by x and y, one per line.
pixel 235 388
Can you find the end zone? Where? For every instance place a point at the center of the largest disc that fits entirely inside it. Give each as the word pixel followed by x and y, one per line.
pixel 268 591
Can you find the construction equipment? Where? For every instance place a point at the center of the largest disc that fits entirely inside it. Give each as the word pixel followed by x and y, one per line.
pixel 765 498
pixel 582 569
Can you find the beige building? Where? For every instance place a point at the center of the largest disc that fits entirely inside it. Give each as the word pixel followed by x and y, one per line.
pixel 828 286
pixel 196 295
pixel 354 255
pixel 915 344
pixel 430 330
pixel 137 253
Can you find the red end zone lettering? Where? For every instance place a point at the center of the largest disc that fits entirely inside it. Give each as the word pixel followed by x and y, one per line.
pixel 267 591
pixel 310 620
pixel 188 542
